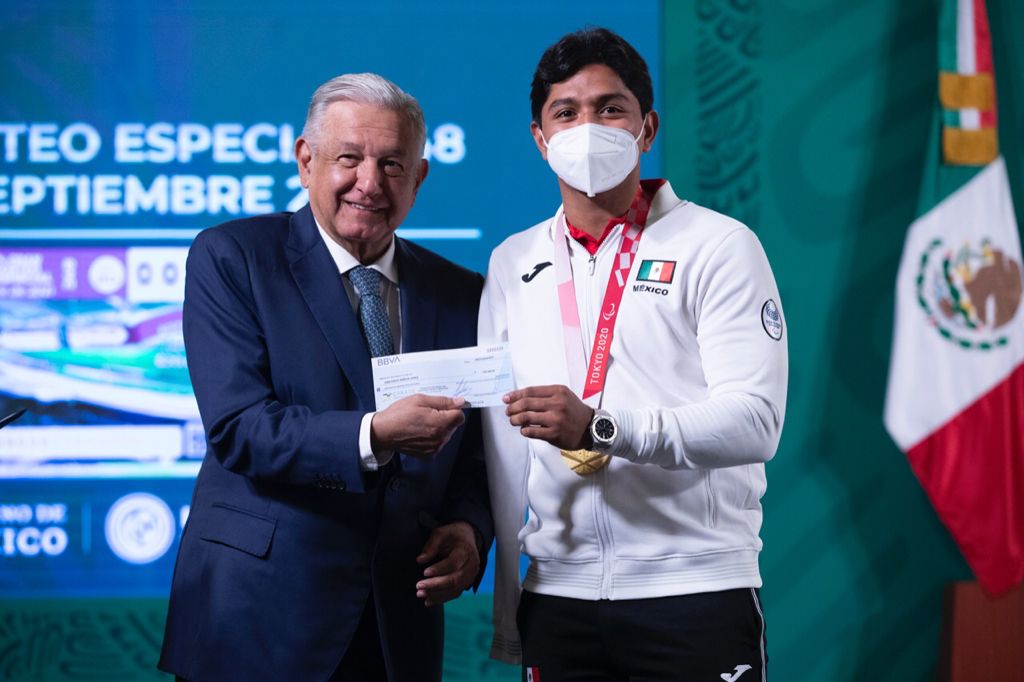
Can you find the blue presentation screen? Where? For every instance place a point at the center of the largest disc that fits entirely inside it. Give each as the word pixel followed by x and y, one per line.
pixel 125 128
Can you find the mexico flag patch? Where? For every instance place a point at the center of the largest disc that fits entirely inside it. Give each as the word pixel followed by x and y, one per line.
pixel 656 271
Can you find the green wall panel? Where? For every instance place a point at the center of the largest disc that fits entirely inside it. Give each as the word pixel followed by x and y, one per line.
pixel 81 640
pixel 119 641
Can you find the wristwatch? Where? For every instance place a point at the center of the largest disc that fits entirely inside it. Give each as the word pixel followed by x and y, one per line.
pixel 603 431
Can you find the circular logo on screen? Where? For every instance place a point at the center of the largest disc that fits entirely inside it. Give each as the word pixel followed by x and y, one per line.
pixel 140 528
pixel 106 275
pixel 771 319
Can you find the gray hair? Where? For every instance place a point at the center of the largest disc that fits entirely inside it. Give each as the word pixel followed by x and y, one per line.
pixel 365 88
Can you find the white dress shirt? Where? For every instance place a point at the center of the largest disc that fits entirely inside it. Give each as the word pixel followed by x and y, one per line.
pixel 387 266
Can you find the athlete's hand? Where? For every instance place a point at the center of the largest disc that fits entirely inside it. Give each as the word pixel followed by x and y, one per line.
pixel 551 413
pixel 417 425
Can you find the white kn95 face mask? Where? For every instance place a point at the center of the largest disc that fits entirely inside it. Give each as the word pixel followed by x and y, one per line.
pixel 593 158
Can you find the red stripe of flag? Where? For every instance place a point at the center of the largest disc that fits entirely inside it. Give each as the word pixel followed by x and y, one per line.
pixel 982 39
pixel 972 469
pixel 666 271
pixel 983 55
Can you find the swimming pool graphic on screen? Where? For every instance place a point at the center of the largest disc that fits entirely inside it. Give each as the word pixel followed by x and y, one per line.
pixel 91 346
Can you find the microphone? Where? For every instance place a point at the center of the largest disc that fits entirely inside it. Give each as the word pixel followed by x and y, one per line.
pixel 11 417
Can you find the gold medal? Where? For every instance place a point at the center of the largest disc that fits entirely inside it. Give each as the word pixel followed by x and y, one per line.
pixel 585 462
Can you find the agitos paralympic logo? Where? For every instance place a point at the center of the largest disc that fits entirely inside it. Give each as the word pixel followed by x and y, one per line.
pixel 969 293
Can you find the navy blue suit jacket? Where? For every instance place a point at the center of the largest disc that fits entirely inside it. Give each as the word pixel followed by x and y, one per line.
pixel 287 536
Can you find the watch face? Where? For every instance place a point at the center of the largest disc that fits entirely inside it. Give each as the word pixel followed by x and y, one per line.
pixel 604 429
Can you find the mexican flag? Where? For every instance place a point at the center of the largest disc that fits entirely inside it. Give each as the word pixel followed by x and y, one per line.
pixel 955 399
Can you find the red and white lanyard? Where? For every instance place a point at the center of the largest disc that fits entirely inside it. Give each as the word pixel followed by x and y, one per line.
pixel 588 381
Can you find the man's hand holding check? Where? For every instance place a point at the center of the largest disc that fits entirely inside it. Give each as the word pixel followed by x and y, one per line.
pixel 417 425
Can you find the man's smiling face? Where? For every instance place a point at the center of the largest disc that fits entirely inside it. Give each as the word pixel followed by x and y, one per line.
pixel 363 171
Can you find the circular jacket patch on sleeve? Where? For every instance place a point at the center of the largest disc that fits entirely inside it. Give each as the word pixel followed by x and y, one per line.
pixel 771 319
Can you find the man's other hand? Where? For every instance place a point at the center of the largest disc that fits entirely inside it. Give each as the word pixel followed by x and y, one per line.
pixel 453 548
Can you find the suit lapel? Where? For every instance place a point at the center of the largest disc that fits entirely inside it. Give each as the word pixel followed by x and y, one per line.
pixel 317 278
pixel 419 307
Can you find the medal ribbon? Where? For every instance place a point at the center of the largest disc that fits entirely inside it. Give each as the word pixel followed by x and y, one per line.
pixel 590 385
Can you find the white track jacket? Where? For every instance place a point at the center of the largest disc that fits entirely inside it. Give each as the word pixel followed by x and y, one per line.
pixel 697 383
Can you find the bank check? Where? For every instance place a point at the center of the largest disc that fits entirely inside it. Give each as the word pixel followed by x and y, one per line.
pixel 480 374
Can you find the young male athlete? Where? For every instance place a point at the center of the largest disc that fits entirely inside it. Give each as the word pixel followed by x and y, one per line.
pixel 648 343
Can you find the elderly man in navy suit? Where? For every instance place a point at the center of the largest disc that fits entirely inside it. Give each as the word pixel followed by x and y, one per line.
pixel 324 535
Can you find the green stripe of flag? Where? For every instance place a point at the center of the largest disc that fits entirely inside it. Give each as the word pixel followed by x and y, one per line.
pixel 947 36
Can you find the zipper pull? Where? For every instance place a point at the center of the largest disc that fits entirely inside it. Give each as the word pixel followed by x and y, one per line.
pixel 593 263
